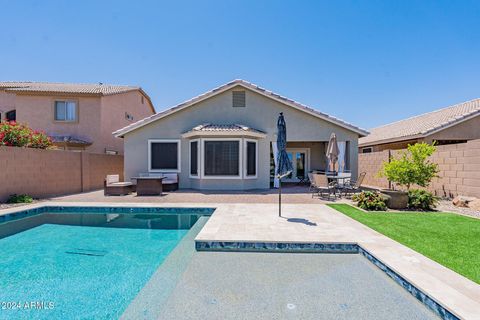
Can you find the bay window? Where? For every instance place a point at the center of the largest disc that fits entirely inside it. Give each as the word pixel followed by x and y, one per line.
pixel 251 158
pixel 221 158
pixel 194 158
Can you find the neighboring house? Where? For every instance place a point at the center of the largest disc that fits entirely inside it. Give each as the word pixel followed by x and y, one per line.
pixel 76 116
pixel 225 139
pixel 455 124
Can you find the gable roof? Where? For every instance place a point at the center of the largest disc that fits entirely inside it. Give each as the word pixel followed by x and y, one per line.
pixel 423 125
pixel 245 84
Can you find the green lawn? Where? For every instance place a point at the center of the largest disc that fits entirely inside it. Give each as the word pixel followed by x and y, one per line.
pixel 450 239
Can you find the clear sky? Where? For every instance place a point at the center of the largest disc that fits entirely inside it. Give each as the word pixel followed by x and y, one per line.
pixel 367 62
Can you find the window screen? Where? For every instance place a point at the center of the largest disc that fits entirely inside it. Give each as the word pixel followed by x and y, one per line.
pixel 194 158
pixel 164 155
pixel 238 99
pixel 222 158
pixel 251 158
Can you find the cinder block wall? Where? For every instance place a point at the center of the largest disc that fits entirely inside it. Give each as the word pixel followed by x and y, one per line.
pixel 45 173
pixel 459 166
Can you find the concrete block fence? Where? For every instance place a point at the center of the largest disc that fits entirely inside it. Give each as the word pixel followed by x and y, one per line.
pixel 459 166
pixel 45 173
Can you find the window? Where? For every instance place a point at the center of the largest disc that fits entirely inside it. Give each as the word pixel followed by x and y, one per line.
pixel 11 115
pixel 250 159
pixel 238 99
pixel 194 158
pixel 164 155
pixel 65 111
pixel 222 158
pixel 367 150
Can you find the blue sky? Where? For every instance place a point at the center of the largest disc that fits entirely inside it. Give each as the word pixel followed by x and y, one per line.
pixel 367 62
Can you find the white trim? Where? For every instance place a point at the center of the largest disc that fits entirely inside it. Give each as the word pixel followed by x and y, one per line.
pixel 190 159
pixel 179 148
pixel 121 132
pixel 240 157
pixel 245 159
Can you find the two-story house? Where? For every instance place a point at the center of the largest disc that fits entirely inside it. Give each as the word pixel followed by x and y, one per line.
pixel 76 116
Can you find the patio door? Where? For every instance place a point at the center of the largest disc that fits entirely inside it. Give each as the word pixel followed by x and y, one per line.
pixel 300 159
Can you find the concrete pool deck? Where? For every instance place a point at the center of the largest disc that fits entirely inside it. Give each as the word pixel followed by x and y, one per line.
pixel 306 223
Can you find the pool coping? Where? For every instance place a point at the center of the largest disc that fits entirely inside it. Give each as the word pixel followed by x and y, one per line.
pixel 328 248
pixel 450 290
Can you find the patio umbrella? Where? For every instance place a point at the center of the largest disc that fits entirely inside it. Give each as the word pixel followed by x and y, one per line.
pixel 332 150
pixel 284 167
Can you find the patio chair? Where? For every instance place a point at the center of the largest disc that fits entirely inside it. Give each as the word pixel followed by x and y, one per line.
pixel 311 182
pixel 113 187
pixel 354 186
pixel 322 186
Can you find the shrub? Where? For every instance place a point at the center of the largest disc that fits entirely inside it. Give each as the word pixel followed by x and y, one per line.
pixel 20 198
pixel 19 135
pixel 421 199
pixel 369 200
pixel 412 167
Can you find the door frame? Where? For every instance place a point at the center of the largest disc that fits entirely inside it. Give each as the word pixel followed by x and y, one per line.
pixel 307 162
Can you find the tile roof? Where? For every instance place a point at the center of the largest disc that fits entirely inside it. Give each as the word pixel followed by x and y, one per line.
pixel 65 88
pixel 69 139
pixel 422 125
pixel 208 127
pixel 248 85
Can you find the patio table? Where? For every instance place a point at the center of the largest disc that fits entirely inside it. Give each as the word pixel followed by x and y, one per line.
pixel 149 185
pixel 338 178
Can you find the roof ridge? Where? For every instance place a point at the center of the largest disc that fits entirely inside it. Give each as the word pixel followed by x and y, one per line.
pixel 69 83
pixel 428 113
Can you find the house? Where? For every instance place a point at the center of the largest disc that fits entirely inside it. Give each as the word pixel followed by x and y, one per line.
pixel 225 139
pixel 76 116
pixel 455 124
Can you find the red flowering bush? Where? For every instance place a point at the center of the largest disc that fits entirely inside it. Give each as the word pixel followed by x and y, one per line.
pixel 19 135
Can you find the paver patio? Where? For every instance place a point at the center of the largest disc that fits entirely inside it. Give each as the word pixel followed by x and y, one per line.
pixel 291 194
pixel 303 223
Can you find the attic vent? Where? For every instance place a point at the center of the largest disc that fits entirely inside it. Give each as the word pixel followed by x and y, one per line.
pixel 238 99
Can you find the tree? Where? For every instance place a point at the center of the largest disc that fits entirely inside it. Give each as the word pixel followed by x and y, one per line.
pixel 412 167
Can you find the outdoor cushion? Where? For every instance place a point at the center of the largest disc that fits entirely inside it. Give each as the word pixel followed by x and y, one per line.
pixel 120 184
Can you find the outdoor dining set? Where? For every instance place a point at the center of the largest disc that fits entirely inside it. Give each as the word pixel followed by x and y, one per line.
pixel 328 184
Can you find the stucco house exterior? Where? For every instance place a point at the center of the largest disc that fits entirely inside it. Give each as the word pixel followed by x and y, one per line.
pixel 224 139
pixel 76 116
pixel 454 124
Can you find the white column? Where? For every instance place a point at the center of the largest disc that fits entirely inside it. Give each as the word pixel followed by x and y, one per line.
pixel 341 155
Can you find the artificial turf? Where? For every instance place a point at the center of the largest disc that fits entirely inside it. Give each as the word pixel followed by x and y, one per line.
pixel 447 238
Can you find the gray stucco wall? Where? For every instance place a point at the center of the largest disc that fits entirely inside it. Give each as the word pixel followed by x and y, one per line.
pixel 260 113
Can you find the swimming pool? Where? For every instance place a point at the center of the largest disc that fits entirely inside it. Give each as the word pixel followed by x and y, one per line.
pixel 63 263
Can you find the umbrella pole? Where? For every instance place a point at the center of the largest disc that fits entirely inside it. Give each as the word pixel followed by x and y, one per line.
pixel 280 197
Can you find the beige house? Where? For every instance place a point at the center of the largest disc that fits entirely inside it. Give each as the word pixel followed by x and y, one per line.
pixel 455 124
pixel 76 116
pixel 225 139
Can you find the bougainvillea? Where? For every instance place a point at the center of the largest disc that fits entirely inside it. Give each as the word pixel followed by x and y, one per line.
pixel 19 135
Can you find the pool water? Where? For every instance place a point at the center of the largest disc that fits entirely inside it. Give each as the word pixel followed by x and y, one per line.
pixel 83 266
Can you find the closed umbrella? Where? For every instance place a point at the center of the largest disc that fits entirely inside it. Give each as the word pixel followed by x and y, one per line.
pixel 332 151
pixel 284 167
